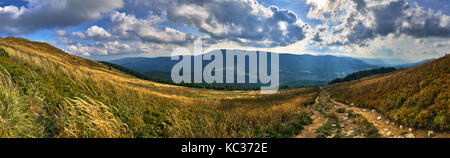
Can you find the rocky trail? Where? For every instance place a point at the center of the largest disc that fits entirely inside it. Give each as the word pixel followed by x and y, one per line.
pixel 309 131
pixel 332 119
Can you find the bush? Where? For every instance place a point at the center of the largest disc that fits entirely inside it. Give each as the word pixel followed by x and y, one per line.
pixel 3 52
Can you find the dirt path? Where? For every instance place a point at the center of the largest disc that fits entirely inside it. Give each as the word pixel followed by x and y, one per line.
pixel 333 119
pixel 309 131
pixel 390 129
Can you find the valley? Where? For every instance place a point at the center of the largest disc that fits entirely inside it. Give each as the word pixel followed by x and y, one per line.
pixel 48 93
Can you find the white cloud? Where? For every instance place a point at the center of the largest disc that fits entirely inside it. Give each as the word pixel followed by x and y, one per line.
pixel 359 21
pixel 129 27
pixel 45 14
pixel 97 32
pixel 245 21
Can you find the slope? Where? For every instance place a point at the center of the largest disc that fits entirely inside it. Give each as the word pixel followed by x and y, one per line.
pixel 46 92
pixel 417 97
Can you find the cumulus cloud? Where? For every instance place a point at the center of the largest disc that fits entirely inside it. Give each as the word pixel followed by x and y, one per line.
pixel 129 27
pixel 357 21
pixel 45 14
pixel 243 21
pixel 125 27
pixel 94 32
pixel 420 23
pixel 118 48
pixel 97 32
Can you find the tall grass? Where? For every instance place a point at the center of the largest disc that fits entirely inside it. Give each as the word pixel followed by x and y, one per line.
pixel 86 117
pixel 14 121
pixel 83 98
pixel 417 97
pixel 255 117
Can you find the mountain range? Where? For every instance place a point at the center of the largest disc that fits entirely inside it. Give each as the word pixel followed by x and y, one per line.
pixel 295 69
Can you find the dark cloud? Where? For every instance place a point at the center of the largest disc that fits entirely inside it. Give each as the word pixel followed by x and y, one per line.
pixel 243 21
pixel 386 17
pixel 358 21
pixel 420 23
pixel 246 22
pixel 45 14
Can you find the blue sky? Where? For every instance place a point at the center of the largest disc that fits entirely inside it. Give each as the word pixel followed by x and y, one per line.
pixel 110 29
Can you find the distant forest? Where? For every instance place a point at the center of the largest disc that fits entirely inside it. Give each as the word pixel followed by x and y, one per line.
pixel 361 74
pixel 193 85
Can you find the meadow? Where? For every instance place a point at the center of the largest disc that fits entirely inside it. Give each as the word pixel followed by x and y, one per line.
pixel 46 92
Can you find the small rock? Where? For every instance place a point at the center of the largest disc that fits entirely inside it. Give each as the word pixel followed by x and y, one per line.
pixel 364 110
pixel 387 122
pixel 349 133
pixel 401 126
pixel 410 129
pixel 379 118
pixel 410 135
pixel 373 110
pixel 430 134
pixel 332 136
pixel 392 123
pixel 334 125
pixel 389 133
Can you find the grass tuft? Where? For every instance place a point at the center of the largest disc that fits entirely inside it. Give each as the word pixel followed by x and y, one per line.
pixel 86 117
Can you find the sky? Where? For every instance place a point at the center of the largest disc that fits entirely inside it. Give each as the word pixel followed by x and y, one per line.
pixel 110 29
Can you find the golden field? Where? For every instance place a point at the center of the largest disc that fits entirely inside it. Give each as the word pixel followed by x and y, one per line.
pixel 46 92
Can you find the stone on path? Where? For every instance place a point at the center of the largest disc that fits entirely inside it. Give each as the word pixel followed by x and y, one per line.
pixel 410 135
pixel 389 133
pixel 430 134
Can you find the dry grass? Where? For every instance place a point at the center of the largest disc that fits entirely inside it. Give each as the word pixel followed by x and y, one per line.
pixel 85 118
pixel 417 97
pixel 261 116
pixel 83 94
pixel 14 122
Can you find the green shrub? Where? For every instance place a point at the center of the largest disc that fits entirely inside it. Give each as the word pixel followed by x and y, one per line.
pixel 3 52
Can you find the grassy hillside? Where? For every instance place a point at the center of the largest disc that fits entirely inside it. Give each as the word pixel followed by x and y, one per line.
pixel 417 97
pixel 45 92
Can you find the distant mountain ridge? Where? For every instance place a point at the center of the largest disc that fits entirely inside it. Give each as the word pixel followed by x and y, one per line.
pixel 294 69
